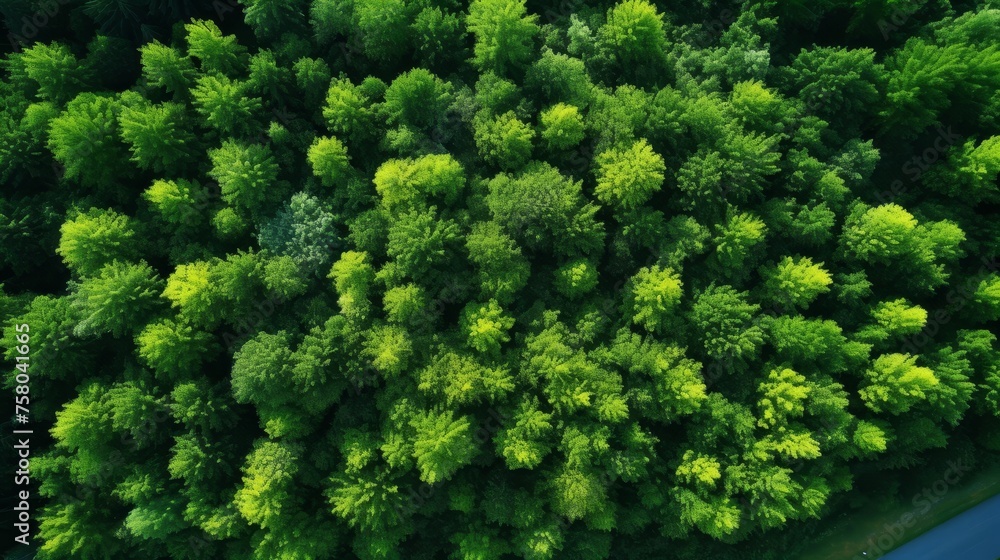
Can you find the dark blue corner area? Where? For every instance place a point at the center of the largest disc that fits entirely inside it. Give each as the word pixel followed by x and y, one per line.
pixel 971 535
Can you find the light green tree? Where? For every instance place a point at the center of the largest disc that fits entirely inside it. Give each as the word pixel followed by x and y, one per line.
pixel 628 178
pixel 329 160
pixel 118 299
pixel 653 296
pixel 796 282
pixel 96 238
pixel 895 383
pixel 562 126
pixel 174 349
pixel 216 53
pixel 485 326
pixel 442 445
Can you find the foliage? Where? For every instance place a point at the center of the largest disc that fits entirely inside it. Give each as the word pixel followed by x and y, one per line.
pixel 504 31
pixel 562 126
pixel 627 178
pixel 96 238
pixel 495 279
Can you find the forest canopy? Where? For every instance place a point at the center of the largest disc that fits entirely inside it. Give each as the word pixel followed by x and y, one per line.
pixel 499 279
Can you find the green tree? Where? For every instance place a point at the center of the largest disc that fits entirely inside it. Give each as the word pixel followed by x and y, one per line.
pixel 85 140
pixel 384 27
pixel 739 243
pixel 540 205
pixel 504 33
pixel 55 69
pixel 405 304
pixel 633 37
pixel 264 497
pixel 667 384
pixel 442 445
pixel 216 53
pixel 346 111
pixel 117 300
pixel 576 278
pixel 190 289
pixel 353 276
pixel 405 183
pixel 312 76
pixel 796 282
pixel 723 320
pixel 389 348
pixel 485 326
pixel 420 242
pixel 922 81
pixel 417 98
pixel 782 398
pixel 246 174
pixel 562 126
pixel 571 380
pixel 269 18
pixel 628 178
pixel 178 202
pixel 330 19
pixel 166 67
pixel 559 79
pixel 893 319
pixel 970 173
pixel 814 342
pixel 502 269
pixel 987 298
pixel 843 86
pixel 95 238
pixel 439 36
pixel 880 233
pixel 53 320
pixel 496 94
pixel 157 135
pixel 172 348
pixel 653 295
pixel 329 160
pixel 460 379
pixel 525 441
pixel 283 277
pixel 226 105
pixel 504 141
pixel 261 368
pixel 895 383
